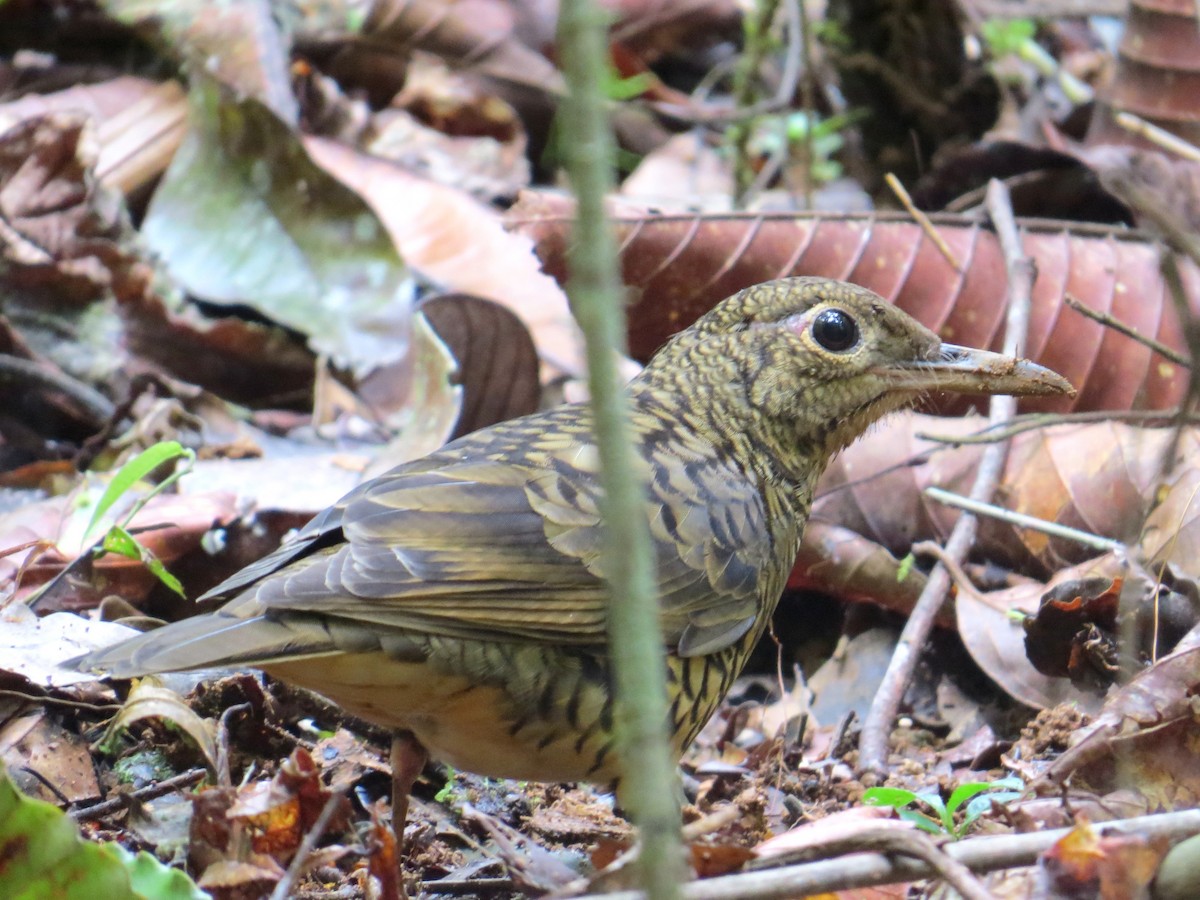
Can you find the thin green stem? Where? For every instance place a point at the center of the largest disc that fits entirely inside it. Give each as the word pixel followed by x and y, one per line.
pixel 648 787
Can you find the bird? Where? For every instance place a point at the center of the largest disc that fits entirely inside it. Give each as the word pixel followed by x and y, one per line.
pixel 459 599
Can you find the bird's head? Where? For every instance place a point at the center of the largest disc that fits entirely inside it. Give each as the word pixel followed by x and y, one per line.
pixel 815 361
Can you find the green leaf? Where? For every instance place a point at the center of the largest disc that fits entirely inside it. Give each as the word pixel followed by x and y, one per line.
pixel 447 790
pixel 152 879
pixel 159 570
pixel 121 542
pixel 618 88
pixel 131 473
pixel 922 821
pixel 1006 36
pixel 888 796
pixel 965 792
pixel 44 856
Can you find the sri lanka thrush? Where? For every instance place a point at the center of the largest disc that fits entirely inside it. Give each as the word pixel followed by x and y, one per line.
pixel 459 599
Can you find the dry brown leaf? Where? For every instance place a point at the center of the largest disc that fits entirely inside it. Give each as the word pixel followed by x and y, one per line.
pixel 462 245
pixel 1155 77
pixel 1102 478
pixel 475 34
pixel 678 266
pixel 1144 737
pixel 139 124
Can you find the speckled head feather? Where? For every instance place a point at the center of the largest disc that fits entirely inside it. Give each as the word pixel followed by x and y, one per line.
pixel 802 366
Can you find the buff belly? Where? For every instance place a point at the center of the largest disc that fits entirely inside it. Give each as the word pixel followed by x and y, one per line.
pixel 527 711
pixel 503 727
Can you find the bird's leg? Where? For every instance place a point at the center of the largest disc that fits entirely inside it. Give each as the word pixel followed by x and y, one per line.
pixel 408 759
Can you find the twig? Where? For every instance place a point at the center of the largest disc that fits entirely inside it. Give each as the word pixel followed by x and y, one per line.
pixel 47 700
pixel 1158 136
pixel 873 744
pixel 649 773
pixel 802 41
pixel 283 887
pixel 473 886
pixel 1033 421
pixel 712 822
pixel 881 838
pixel 49 785
pixel 923 220
pixel 961 581
pixel 149 792
pixel 1024 521
pixel 982 854
pixel 1178 238
pixel 1107 320
pixel 1191 336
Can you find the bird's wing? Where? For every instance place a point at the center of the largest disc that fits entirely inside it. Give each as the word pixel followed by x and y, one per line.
pixel 476 546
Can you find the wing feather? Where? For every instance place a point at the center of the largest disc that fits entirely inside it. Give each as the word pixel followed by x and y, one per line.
pixel 493 538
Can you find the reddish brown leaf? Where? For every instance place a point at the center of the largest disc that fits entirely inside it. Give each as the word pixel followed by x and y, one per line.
pixel 711 860
pixel 677 267
pixel 247 362
pixel 1157 77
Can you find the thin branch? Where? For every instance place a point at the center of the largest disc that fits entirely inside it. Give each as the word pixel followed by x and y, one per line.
pixel 648 767
pixel 873 746
pixel 1191 336
pixel 1179 238
pixel 957 575
pixel 982 854
pixel 149 792
pixel 923 220
pixel 757 25
pixel 1160 137
pixel 1033 421
pixel 1108 321
pixel 475 887
pixel 1023 521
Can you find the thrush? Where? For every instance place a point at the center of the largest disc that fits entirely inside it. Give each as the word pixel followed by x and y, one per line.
pixel 459 599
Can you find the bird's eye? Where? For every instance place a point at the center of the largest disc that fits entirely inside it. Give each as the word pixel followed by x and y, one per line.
pixel 834 330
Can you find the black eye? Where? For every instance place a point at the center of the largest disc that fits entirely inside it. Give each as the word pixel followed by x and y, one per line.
pixel 834 330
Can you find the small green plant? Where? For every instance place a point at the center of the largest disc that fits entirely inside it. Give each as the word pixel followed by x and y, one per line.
pixel 448 789
pixel 974 799
pixel 118 539
pixel 800 132
pixel 1018 37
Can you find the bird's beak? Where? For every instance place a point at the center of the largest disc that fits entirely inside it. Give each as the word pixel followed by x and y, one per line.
pixel 969 371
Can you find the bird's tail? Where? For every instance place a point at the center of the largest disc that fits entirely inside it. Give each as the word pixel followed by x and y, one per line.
pixel 207 642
